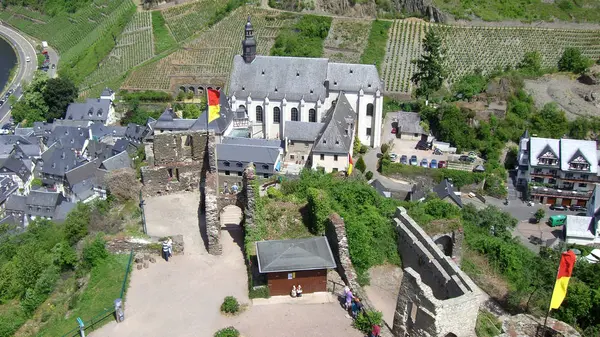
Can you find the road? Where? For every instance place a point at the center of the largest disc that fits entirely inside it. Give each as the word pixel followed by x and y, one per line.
pixel 26 69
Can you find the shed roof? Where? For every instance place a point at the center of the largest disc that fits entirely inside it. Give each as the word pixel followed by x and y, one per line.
pixel 409 122
pixel 119 161
pixel 579 226
pixel 294 255
pixel 445 189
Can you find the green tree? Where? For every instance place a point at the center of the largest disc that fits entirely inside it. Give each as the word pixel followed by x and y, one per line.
pixel 58 93
pixel 531 63
pixel 470 85
pixel 580 128
pixel 360 164
pixel 539 214
pixel 430 73
pixel 319 210
pixel 550 122
pixel 191 111
pixel 572 60
pixel 76 223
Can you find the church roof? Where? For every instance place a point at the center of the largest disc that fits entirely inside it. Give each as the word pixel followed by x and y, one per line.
pixel 353 77
pixel 279 77
pixel 334 138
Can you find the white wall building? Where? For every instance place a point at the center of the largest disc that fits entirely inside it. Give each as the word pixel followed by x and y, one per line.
pixel 272 90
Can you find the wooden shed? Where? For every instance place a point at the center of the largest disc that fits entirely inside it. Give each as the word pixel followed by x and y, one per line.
pixel 295 262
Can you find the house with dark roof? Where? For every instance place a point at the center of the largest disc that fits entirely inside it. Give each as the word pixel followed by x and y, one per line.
pixel 38 204
pixel 56 161
pixel 86 182
pixel 299 140
pixel 108 93
pixel 116 162
pixel 72 137
pixel 93 110
pixel 445 191
pixel 234 154
pixel 7 188
pixel 408 125
pixel 98 150
pixel 269 91
pixel 19 170
pixel 289 263
pixel 333 146
pixel 558 171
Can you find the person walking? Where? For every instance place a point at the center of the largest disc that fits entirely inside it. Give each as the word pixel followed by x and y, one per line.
pixel 170 244
pixel 376 331
pixel 356 307
pixel 165 250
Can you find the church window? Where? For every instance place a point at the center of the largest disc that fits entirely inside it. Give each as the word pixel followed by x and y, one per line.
pixel 295 115
pixel 276 115
pixel 369 109
pixel 312 115
pixel 368 131
pixel 335 157
pixel 276 89
pixel 351 71
pixel 297 74
pixel 311 91
pixel 322 157
pixel 259 113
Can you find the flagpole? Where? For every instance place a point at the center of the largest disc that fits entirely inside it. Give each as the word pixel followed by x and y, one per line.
pixel 550 304
pixel 207 113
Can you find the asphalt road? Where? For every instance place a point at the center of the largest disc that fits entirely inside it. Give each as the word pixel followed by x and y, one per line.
pixel 26 69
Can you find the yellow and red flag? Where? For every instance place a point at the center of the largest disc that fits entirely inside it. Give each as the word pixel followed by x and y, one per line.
pixel 350 164
pixel 214 106
pixel 565 269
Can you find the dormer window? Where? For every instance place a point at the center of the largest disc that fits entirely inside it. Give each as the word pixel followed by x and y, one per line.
pixel 99 112
pixel 335 83
pixel 262 72
pixel 324 141
pixel 90 111
pixel 265 166
pixel 351 71
pixel 243 88
pixel 226 163
pixel 369 85
pixel 297 74
pixel 311 91
pixel 276 89
pixel 239 164
pixel 337 142
pixel 578 162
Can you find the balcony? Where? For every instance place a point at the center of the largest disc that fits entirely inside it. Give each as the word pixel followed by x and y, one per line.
pixel 544 174
pixel 557 193
pixel 590 179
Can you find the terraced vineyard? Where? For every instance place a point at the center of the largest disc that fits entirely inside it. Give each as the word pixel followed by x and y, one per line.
pixel 346 40
pixel 65 31
pixel 485 48
pixel 186 20
pixel 210 56
pixel 134 46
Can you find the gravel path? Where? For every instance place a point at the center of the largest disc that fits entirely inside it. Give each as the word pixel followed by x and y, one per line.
pixel 383 290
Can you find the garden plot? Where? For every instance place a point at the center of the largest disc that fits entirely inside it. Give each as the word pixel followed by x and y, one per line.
pixel 470 48
pixel 211 55
pixel 346 40
pixel 186 20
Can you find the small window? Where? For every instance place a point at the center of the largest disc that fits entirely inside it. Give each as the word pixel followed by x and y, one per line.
pixel 322 157
pixel 368 131
pixel 266 175
pixel 226 163
pixel 239 173
pixel 227 173
pixel 302 157
pixel 170 173
pixel 312 115
pixel 335 157
pixel 291 156
pixel 582 185
pixel 259 114
pixel 276 115
pixel 335 169
pixel 295 115
pixel 369 109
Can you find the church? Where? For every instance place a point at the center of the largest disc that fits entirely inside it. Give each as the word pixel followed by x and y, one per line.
pixel 266 92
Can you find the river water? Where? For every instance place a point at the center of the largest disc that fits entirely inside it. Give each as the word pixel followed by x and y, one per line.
pixel 8 59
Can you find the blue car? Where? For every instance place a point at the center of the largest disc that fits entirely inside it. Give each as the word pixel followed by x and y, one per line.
pixel 433 163
pixel 404 160
pixel 424 162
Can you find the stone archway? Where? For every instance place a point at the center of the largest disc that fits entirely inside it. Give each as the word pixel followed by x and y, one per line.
pixel 450 335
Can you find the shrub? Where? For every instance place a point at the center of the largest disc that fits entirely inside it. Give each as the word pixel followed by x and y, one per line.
pixel 227 332
pixel 95 251
pixel 363 149
pixel 360 164
pixel 385 147
pixel 319 210
pixel 274 193
pixel 259 292
pixel 366 319
pixel 369 175
pixel 76 223
pixel 230 305
pixel 572 60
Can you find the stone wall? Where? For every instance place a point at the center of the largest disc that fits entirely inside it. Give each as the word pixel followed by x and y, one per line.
pixel 436 298
pixel 336 236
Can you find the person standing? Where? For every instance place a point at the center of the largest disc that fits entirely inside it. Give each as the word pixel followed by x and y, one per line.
pixel 165 250
pixel 170 244
pixel 376 331
pixel 349 297
pixel 356 307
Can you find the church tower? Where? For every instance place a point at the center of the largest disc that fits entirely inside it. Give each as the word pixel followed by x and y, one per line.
pixel 249 43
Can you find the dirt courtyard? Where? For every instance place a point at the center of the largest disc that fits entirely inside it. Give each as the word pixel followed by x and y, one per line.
pixel 384 288
pixel 182 297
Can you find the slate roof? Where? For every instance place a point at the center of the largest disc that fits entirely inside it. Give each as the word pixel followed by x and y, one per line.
pixel 71 137
pixel 44 198
pixel 15 165
pixel 58 159
pixel 294 255
pixel 136 133
pixel 117 131
pixel 353 77
pixel 570 148
pixel 13 139
pixel 120 146
pixel 82 172
pixel 69 122
pixel 119 161
pixel 334 138
pixel 445 189
pixel 94 109
pixel 277 77
pixel 6 150
pixel 96 149
pixel 7 187
pixel 220 124
pixel 107 92
pixel 409 122
pixel 302 131
pixel 83 179
pixel 16 203
pixel 28 150
pixel 62 210
pixel 25 132
pixel 252 141
pixel 234 153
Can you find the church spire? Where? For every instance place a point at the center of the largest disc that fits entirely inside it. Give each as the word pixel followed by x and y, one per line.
pixel 249 43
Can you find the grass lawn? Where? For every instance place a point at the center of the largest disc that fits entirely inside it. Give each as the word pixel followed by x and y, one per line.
pixel 375 51
pixel 103 288
pixel 163 40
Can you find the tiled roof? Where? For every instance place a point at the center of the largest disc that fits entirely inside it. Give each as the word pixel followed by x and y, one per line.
pixel 336 137
pixel 94 109
pixel 294 255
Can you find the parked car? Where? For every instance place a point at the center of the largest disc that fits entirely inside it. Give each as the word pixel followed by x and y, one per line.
pixel 466 159
pixel 53 65
pixel 4 132
pixel 433 163
pixel 413 160
pixel 27 59
pixel 558 207
pixel 557 220
pixel 424 162
pixel 404 159
pixel 1 102
pixel 422 145
pixel 442 164
pixel 10 92
pixel 578 208
pixel 7 126
pixel 393 157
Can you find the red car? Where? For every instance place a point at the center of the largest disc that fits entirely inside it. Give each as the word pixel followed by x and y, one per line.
pixel 442 164
pixel 394 130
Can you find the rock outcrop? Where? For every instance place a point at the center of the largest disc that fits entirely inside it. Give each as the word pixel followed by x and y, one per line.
pixel 526 325
pixel 423 8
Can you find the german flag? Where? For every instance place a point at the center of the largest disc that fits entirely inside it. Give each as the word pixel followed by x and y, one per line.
pixel 350 164
pixel 214 106
pixel 565 269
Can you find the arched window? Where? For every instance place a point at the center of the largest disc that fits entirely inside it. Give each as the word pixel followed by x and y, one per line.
pixel 259 113
pixel 369 109
pixel 242 107
pixel 312 115
pixel 276 115
pixel 295 115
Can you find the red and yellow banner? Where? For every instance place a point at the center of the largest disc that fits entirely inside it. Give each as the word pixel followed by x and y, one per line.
pixel 214 106
pixel 350 164
pixel 565 269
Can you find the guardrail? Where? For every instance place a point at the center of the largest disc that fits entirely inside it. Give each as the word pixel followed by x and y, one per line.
pixel 93 322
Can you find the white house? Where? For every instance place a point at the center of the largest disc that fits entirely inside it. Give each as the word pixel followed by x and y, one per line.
pixel 268 91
